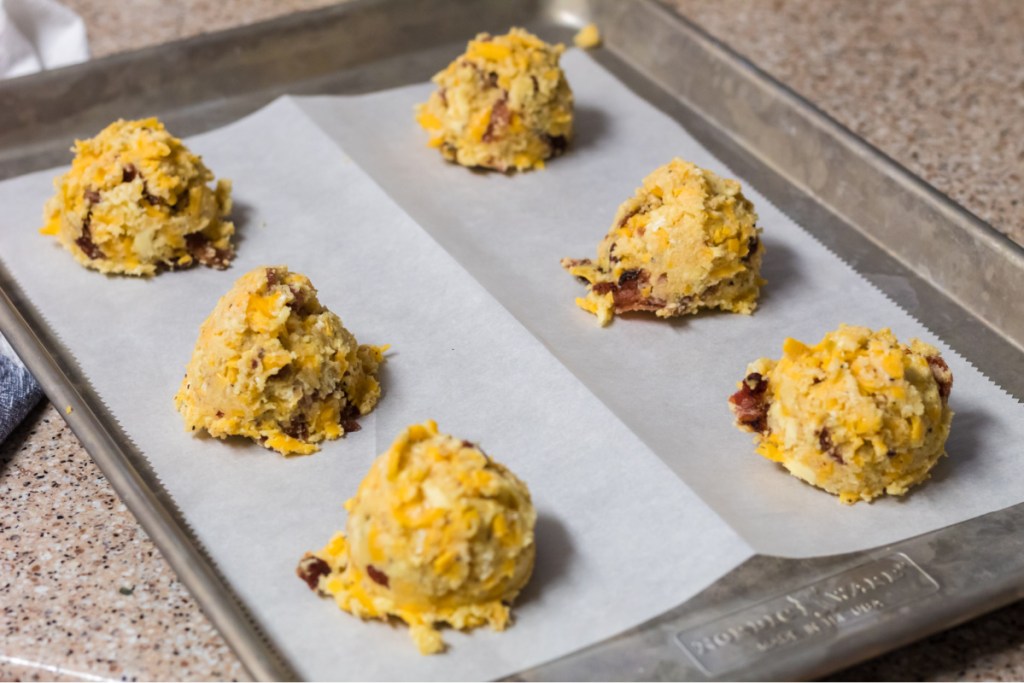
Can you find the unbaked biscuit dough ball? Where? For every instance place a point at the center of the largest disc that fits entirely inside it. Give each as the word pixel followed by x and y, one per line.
pixel 504 104
pixel 859 414
pixel 274 365
pixel 136 200
pixel 437 533
pixel 686 241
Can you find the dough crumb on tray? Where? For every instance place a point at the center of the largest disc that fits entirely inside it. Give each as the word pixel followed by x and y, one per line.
pixel 136 201
pixel 685 242
pixel 587 38
pixel 503 105
pixel 859 415
pixel 274 365
pixel 438 533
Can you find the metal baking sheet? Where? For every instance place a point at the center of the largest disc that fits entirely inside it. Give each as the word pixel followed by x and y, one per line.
pixel 769 618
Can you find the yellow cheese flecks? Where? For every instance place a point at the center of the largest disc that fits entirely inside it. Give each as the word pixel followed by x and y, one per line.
pixel 587 37
pixel 686 241
pixel 272 364
pixel 136 201
pixel 503 105
pixel 859 414
pixel 438 533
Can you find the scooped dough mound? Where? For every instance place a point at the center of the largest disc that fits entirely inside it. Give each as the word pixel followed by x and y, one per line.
pixel 686 241
pixel 437 533
pixel 274 365
pixel 136 200
pixel 858 415
pixel 504 104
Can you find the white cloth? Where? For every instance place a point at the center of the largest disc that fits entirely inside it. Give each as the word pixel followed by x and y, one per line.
pixel 19 391
pixel 39 34
pixel 34 35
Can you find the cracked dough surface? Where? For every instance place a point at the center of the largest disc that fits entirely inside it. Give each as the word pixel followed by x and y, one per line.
pixel 136 200
pixel 504 104
pixel 686 241
pixel 438 533
pixel 272 364
pixel 859 414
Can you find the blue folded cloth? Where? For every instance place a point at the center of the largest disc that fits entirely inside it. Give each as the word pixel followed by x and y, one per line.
pixel 19 391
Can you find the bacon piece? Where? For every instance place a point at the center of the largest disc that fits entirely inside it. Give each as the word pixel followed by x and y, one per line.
pixel 625 219
pixel 574 262
pixel 943 376
pixel 298 298
pixel 204 252
pixel 378 576
pixel 500 117
pixel 752 244
pixel 151 199
pixel 298 428
pixel 627 292
pixel 557 144
pixel 85 242
pixel 826 445
pixel 749 404
pixel 310 569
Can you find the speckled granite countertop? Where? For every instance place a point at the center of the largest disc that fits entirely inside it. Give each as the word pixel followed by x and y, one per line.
pixel 936 84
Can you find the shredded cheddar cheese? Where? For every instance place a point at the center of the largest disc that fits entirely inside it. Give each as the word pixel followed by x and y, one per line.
pixel 274 365
pixel 136 200
pixel 686 241
pixel 503 105
pixel 438 533
pixel 859 414
pixel 587 37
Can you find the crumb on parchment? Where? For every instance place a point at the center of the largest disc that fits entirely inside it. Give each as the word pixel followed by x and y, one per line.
pixel 587 37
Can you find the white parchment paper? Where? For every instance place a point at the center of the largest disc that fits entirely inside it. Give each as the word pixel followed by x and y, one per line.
pixel 668 381
pixel 620 538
